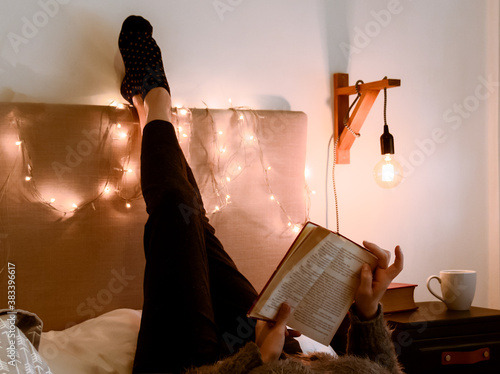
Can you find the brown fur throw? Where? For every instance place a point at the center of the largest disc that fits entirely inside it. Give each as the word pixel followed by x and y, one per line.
pixel 370 351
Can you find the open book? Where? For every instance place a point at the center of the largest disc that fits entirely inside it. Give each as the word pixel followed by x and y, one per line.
pixel 318 278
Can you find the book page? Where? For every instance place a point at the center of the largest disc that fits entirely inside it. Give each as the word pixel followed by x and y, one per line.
pixel 321 311
pixel 294 286
pixel 307 241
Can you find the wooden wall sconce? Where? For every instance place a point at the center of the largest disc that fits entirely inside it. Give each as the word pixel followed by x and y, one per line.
pixel 341 92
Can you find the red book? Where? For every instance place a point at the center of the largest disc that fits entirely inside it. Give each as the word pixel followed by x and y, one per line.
pixel 399 297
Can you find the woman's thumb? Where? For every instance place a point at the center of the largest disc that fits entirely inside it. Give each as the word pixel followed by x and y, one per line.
pixel 283 313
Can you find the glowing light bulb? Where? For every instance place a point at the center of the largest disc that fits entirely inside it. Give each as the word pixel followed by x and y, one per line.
pixel 307 172
pixel 128 205
pixel 118 125
pixel 388 172
pixel 117 104
pixel 183 111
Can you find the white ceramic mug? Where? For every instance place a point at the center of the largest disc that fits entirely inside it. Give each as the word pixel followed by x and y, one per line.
pixel 457 287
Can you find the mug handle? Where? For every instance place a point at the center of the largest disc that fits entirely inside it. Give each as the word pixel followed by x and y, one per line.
pixel 429 286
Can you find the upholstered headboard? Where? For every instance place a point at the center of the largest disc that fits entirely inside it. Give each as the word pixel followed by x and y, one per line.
pixel 72 215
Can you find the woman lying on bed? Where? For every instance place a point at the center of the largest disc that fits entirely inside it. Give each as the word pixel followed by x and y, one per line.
pixel 195 300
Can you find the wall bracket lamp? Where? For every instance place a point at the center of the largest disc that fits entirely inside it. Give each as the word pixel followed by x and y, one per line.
pixel 367 92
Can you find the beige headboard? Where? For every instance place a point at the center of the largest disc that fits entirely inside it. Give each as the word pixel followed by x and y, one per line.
pixel 73 262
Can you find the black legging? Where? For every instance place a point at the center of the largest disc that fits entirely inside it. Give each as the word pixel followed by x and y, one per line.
pixel 195 299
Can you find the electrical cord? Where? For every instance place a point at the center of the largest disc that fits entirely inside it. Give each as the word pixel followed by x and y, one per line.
pixel 357 135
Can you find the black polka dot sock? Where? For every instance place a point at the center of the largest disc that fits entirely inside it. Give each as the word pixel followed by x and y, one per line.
pixel 142 58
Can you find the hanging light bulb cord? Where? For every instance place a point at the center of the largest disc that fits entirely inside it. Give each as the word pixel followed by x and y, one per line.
pixel 357 135
pixel 346 117
pixel 385 105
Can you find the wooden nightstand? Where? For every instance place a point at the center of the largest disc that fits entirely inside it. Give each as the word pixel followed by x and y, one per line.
pixel 433 339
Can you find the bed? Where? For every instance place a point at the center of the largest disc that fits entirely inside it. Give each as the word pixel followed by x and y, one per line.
pixel 72 217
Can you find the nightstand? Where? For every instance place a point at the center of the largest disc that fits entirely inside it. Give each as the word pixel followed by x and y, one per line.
pixel 433 339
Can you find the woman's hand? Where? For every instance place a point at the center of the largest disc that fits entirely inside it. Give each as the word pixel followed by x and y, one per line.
pixel 270 336
pixel 373 285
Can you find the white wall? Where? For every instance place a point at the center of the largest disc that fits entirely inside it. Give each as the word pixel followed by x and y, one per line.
pixel 280 55
pixel 439 119
pixel 493 154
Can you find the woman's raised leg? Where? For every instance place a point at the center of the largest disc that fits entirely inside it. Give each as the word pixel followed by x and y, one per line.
pixel 194 297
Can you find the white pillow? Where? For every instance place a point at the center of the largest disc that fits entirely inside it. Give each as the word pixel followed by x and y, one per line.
pixel 17 354
pixel 105 344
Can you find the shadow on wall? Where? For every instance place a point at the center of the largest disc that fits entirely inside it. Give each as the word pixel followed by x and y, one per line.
pixel 271 102
pixel 337 34
pixel 73 55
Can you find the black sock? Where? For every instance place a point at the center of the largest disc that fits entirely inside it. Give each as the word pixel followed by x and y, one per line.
pixel 142 58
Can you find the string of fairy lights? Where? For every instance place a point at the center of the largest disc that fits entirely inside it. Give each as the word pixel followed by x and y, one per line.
pixel 105 151
pixel 224 164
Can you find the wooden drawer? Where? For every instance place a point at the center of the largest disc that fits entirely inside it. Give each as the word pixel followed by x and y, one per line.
pixel 467 354
pixel 435 340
